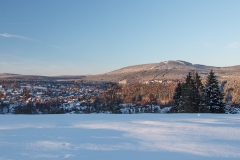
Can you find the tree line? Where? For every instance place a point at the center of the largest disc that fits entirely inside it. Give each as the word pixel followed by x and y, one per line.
pixel 138 93
pixel 191 96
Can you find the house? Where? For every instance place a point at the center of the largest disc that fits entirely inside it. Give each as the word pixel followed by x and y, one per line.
pixel 39 93
pixel 5 110
pixel 123 81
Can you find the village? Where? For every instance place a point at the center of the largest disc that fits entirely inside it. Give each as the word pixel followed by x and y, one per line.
pixel 78 97
pixel 45 97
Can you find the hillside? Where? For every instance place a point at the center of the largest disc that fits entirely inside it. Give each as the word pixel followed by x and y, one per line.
pixel 166 70
pixel 162 70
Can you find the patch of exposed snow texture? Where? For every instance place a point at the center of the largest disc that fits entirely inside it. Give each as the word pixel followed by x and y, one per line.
pixel 102 136
pixel 181 62
pixel 165 62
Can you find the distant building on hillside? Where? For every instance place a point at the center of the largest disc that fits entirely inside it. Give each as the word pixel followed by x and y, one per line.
pixel 123 81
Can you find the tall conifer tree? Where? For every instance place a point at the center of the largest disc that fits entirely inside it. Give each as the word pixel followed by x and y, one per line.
pixel 190 96
pixel 212 96
pixel 186 96
pixel 198 82
pixel 177 98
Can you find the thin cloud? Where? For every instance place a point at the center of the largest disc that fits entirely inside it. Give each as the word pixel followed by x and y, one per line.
pixel 17 36
pixel 6 35
pixel 233 45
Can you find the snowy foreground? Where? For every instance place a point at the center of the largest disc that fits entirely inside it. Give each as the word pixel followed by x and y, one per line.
pixel 120 137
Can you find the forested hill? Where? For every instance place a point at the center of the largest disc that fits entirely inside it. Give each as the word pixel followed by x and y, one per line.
pixel 163 70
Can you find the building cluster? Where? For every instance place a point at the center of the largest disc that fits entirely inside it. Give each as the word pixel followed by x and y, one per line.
pixel 160 81
pixel 46 97
pixel 63 97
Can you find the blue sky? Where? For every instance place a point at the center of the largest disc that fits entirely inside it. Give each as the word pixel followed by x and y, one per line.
pixel 79 37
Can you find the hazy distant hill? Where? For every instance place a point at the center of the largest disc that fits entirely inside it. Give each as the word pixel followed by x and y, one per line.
pixel 162 70
pixel 36 77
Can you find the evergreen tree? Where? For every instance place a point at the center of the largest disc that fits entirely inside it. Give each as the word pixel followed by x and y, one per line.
pixel 186 87
pixel 195 98
pixel 212 96
pixel 198 82
pixel 177 98
pixel 191 97
pixel 199 85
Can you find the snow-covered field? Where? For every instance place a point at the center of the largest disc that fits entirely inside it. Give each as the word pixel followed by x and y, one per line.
pixel 120 137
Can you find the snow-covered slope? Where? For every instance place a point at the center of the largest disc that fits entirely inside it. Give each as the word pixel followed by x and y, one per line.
pixel 173 69
pixel 118 137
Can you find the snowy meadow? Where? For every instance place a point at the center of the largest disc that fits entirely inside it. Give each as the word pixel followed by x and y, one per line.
pixel 107 136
